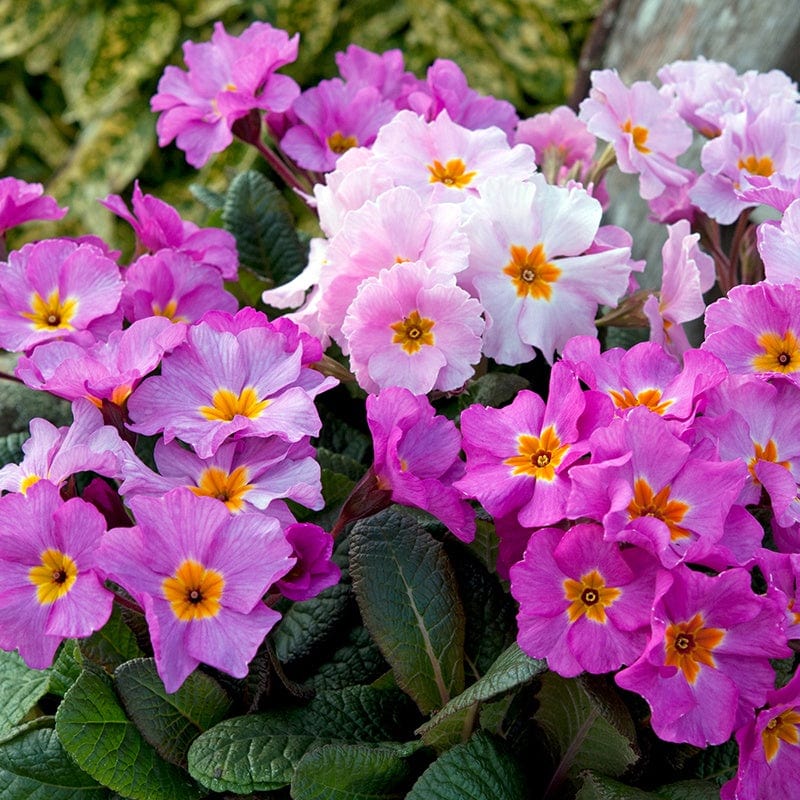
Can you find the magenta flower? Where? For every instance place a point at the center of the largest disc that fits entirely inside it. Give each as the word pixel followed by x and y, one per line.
pixel 769 749
pixel 518 456
pixel 51 581
pixel 646 132
pixel 756 330
pixel 57 289
pixel 107 370
pixel 413 327
pixel 158 226
pixel 651 489
pixel 173 285
pixel 779 246
pixel 21 202
pixel 199 573
pixel 227 78
pixel 584 604
pixel 558 138
pixel 313 570
pixel 385 71
pixel 333 117
pixel 54 454
pixel 706 665
pixel 220 384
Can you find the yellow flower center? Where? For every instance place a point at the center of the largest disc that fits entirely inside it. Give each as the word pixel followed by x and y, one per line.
pixel 339 143
pixel 225 405
pixel 193 591
pixel 538 455
pixel 453 173
pixel 54 577
pixel 781 353
pixel 757 166
pixel 639 134
pixel 651 398
pixel 51 314
pixel 646 503
pixel 689 645
pixel 781 728
pixel 412 332
pixel 768 453
pixel 27 482
pixel 230 488
pixel 589 596
pixel 531 272
pixel 168 311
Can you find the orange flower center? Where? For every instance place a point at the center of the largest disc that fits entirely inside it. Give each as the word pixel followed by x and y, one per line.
pixel 225 405
pixel 538 455
pixel 54 577
pixel 639 134
pixel 453 173
pixel 646 503
pixel 781 353
pixel 531 272
pixel 781 728
pixel 412 332
pixel 51 314
pixel 757 166
pixel 193 591
pixel 651 398
pixel 339 143
pixel 768 453
pixel 689 646
pixel 228 487
pixel 589 596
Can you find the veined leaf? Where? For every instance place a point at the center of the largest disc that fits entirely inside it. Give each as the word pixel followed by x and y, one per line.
pixel 22 25
pixel 20 689
pixel 112 645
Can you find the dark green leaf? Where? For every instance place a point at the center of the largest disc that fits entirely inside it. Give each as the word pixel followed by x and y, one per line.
pixel 34 766
pixel 356 661
pixel 718 763
pixel 256 213
pixel 22 25
pixel 95 731
pixel 689 790
pixel 601 787
pixel 66 668
pixel 479 770
pixel 214 201
pixel 351 772
pixel 260 752
pixel 20 689
pixel 170 722
pixel 340 463
pixel 407 594
pixel 112 645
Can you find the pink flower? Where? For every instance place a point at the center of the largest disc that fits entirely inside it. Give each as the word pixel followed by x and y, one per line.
pixel 227 78
pixel 199 573
pixel 57 289
pixel 779 246
pixel 313 570
pixel 51 581
pixel 558 138
pixel 171 284
pixel 385 71
pixel 529 267
pixel 646 132
pixel 413 327
pixel 21 202
pixel 584 604
pixel 158 226
pixel 706 665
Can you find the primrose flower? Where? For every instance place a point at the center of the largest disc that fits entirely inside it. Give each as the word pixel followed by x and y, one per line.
pixel 584 604
pixel 756 330
pixel 313 570
pixel 199 573
pixel 158 226
pixel 529 267
pixel 413 327
pixel 385 71
pixel 21 202
pixel 227 78
pixel 57 289
pixel 645 130
pixel 51 581
pixel 558 138
pixel 706 664
pixel 220 384
pixel 779 246
pixel 173 285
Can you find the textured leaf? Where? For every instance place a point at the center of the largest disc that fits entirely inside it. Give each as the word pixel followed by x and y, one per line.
pixel 11 447
pixel 34 766
pixel 260 752
pixel 587 725
pixel 718 763
pixel 601 787
pixel 112 645
pixel 95 731
pixel 478 770
pixel 351 772
pixel 340 463
pixel 258 216
pixel 407 594
pixel 356 660
pixel 20 404
pixel 512 669
pixel 40 134
pixel 20 689
pixel 22 25
pixel 66 669
pixel 689 790
pixel 170 722
pixel 315 20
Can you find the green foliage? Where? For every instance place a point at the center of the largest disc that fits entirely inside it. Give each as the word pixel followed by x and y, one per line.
pixel 112 645
pixel 20 689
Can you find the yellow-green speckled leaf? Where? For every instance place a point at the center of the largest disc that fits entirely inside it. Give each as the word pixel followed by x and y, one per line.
pixel 23 23
pixel 39 133
pixel 371 24
pixel 79 54
pixel 316 21
pixel 137 38
pixel 44 56
pixel 567 10
pixel 198 12
pixel 12 126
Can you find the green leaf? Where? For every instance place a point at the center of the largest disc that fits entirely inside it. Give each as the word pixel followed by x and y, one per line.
pixel 215 201
pixel 356 660
pixel 260 752
pixel 66 669
pixel 258 216
pixel 496 388
pixel 351 772
pixel 406 591
pixel 718 763
pixel 340 463
pixel 22 25
pixel 170 722
pixel 689 790
pixel 112 645
pixel 95 731
pixel 35 766
pixel 20 689
pixel 11 447
pixel 478 770
pixel 601 787
pixel 587 725
pixel 512 669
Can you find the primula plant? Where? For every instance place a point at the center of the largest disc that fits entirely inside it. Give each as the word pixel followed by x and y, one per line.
pixel 382 512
